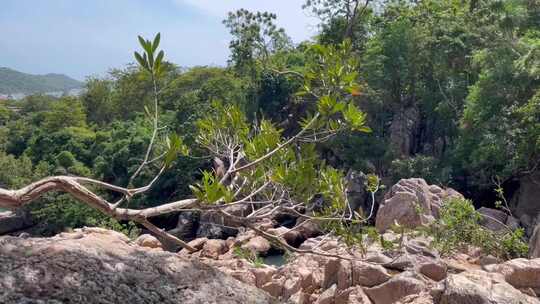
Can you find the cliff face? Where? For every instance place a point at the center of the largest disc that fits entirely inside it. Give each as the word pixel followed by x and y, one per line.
pixel 93 265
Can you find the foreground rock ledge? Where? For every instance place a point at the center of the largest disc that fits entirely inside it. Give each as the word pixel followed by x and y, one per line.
pixel 93 265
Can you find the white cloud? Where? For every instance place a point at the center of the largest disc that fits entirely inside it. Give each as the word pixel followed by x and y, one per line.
pixel 290 14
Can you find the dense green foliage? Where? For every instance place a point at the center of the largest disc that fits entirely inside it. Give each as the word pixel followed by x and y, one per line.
pixel 449 91
pixel 12 82
pixel 459 226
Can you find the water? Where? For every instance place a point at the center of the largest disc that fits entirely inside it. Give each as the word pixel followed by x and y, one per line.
pixel 277 260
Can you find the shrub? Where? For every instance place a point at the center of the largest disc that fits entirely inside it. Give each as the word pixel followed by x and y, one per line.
pixel 459 226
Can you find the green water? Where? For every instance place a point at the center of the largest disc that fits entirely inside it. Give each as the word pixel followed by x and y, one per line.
pixel 275 260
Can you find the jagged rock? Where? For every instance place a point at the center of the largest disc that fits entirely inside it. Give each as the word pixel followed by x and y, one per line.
pixel 214 248
pixel 14 221
pixel 101 266
pixel 434 270
pixel 493 219
pixel 352 295
pixel 534 243
pixel 403 130
pixel 355 189
pixel 396 288
pixel 520 273
pixel 146 240
pixel 412 203
pixel 263 275
pixel 422 298
pixel 480 287
pixel 258 245
pixel 327 297
pixel 368 275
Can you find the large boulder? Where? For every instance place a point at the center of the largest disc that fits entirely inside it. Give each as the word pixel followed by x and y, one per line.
pixel 412 203
pixel 480 287
pixel 493 219
pixel 100 266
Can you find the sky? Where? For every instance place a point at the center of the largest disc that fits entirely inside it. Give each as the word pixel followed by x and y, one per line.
pixel 83 38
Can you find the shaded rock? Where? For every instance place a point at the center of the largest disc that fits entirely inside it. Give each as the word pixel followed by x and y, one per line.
pixel 355 189
pixel 480 287
pixel 534 243
pixel 493 219
pixel 396 288
pixel 147 240
pixel 11 221
pixel 292 237
pixel 100 266
pixel 525 202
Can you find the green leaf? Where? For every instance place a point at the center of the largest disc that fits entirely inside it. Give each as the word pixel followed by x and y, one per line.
pixel 155 44
pixel 142 42
pixel 142 62
pixel 159 59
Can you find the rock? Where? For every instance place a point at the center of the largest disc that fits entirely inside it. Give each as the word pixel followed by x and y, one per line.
pixel 434 270
pixel 412 203
pixel 214 248
pixel 101 266
pixel 308 230
pixel 480 287
pixel 214 225
pixel 525 202
pixel 187 225
pixel 422 298
pixel 369 275
pixel 274 288
pixel 146 240
pixel 403 130
pixel 263 275
pixel 327 297
pixel 11 221
pixel 488 260
pixel 396 288
pixel 534 243
pixel 352 295
pixel 493 219
pixel 292 237
pixel 299 298
pixel 355 189
pixel 512 223
pixel 258 245
pixel 520 273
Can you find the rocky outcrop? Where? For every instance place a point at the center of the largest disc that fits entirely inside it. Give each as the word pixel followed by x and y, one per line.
pixel 534 243
pixel 526 202
pixel 100 266
pixel 493 219
pixel 412 203
pixel 403 131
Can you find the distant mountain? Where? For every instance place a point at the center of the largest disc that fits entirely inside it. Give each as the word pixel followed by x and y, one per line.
pixel 15 82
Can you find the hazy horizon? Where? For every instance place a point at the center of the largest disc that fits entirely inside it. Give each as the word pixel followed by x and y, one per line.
pixel 83 38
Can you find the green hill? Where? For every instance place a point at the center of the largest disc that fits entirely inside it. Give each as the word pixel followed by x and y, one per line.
pixel 12 82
